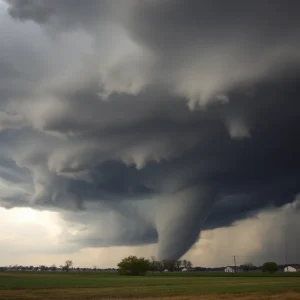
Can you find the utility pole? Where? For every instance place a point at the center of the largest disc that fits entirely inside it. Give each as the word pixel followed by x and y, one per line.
pixel 286 254
pixel 234 263
pixel 286 250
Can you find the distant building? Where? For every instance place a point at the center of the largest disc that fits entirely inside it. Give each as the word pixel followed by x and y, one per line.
pixel 187 269
pixel 292 268
pixel 232 269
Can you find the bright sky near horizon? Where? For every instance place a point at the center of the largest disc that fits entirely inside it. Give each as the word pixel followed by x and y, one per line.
pixel 30 237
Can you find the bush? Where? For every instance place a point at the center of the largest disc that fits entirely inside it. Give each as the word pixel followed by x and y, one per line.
pixel 270 267
pixel 134 266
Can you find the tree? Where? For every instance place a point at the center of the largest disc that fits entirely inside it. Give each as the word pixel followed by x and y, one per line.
pixel 53 268
pixel 186 264
pixel 153 264
pixel 178 264
pixel 169 264
pixel 159 266
pixel 132 265
pixel 247 266
pixel 67 265
pixel 43 268
pixel 270 267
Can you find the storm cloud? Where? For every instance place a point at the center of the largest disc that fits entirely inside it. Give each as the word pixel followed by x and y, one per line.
pixel 159 118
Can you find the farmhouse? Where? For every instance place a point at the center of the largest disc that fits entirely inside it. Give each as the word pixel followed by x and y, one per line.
pixel 292 268
pixel 231 269
pixel 187 269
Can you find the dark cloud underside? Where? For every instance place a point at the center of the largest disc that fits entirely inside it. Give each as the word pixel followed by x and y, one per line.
pixel 164 169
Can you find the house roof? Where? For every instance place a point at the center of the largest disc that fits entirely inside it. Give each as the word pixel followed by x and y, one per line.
pixel 295 266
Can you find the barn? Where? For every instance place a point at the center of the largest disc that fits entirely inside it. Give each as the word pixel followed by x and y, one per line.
pixel 292 268
pixel 231 269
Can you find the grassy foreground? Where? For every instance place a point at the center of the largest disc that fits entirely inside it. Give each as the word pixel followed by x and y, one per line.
pixel 94 286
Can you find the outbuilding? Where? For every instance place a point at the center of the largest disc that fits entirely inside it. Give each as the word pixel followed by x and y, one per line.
pixel 292 268
pixel 232 269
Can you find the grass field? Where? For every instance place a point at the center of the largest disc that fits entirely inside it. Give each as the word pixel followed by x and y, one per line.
pixel 192 286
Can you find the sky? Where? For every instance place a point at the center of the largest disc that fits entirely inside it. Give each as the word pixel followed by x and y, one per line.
pixel 153 128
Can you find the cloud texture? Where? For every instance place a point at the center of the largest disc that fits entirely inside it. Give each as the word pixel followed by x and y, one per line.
pixel 158 118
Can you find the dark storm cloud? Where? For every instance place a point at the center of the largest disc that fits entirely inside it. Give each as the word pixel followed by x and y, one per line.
pixel 207 47
pixel 247 174
pixel 186 23
pixel 162 170
pixel 67 13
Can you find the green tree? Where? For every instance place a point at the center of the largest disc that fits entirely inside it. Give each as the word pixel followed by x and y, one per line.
pixel 270 267
pixel 133 265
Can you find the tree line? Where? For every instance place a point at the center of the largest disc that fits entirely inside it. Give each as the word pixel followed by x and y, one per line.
pixel 133 265
pixel 267 267
pixel 66 267
pixel 169 265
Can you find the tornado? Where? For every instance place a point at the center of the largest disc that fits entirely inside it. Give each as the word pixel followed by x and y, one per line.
pixel 180 220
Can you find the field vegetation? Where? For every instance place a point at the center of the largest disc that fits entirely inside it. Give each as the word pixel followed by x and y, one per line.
pixel 105 285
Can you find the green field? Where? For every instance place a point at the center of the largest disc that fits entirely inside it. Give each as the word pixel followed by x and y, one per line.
pixel 171 285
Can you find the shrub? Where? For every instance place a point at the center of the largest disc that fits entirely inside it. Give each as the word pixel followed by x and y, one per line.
pixel 132 265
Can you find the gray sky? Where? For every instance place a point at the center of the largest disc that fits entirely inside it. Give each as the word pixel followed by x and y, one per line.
pixel 138 127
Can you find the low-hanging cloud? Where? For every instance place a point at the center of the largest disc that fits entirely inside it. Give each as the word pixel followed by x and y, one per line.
pixel 170 118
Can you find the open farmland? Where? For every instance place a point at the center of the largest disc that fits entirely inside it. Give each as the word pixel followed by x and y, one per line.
pixel 94 286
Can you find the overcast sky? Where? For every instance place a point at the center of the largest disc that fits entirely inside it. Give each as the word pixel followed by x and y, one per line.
pixel 166 128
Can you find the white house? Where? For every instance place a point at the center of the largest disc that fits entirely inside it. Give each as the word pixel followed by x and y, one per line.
pixel 231 269
pixel 292 268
